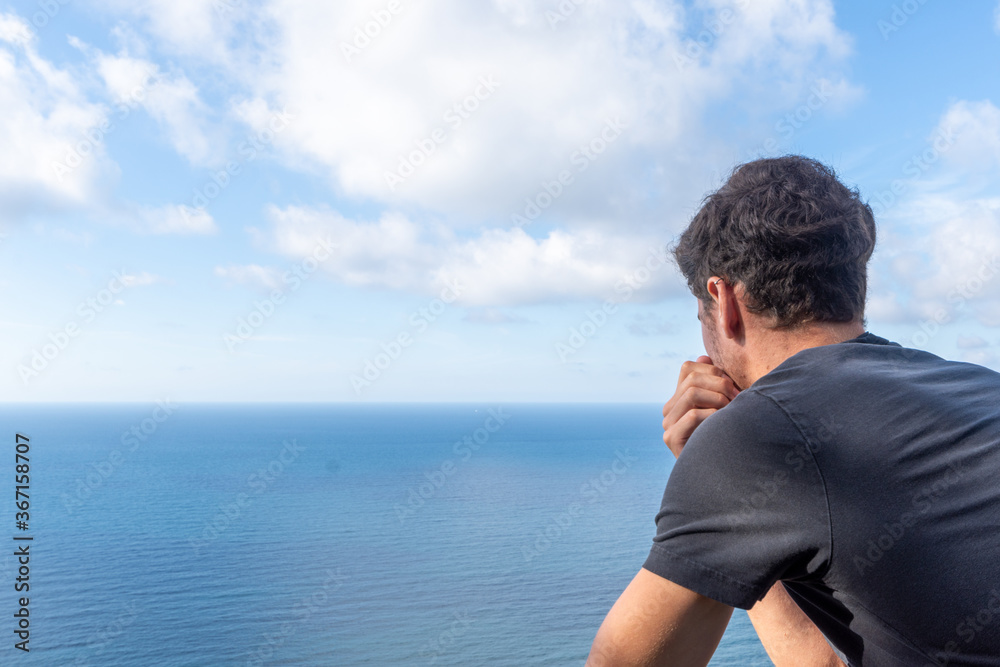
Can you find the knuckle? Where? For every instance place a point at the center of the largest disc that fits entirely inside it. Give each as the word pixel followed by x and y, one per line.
pixel 683 384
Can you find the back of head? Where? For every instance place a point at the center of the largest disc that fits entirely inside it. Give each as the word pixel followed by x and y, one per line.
pixel 792 234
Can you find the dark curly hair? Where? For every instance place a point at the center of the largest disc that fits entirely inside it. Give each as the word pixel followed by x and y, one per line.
pixel 797 238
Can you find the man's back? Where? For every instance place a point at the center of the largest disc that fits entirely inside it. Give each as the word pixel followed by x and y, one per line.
pixel 866 477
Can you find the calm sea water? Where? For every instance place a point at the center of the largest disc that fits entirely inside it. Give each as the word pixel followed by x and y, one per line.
pixel 331 535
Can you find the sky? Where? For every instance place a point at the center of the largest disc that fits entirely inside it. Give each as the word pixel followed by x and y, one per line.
pixel 455 200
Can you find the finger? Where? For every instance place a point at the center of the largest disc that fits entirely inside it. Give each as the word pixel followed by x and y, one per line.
pixel 694 398
pixel 693 368
pixel 689 367
pixel 720 383
pixel 671 421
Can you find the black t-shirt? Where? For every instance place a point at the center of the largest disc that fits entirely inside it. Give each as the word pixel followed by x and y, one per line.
pixel 864 476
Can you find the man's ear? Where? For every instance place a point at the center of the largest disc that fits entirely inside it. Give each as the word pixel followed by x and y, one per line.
pixel 727 308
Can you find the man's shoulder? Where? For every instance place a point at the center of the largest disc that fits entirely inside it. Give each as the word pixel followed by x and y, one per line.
pixel 751 419
pixel 866 359
pixel 848 389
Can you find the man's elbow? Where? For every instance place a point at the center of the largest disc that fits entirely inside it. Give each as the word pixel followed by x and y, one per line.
pixel 658 622
pixel 609 651
pixel 624 645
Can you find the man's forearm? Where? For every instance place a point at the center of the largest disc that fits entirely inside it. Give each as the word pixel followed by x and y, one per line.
pixel 788 635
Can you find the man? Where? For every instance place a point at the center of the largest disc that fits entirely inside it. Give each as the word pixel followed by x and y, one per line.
pixel 844 489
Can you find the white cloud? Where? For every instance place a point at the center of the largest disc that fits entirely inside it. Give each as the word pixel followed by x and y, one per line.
pixel 170 99
pixel 63 234
pixel 886 307
pixel 971 342
pixel 492 316
pixel 186 27
pixel 789 28
pixel 266 277
pixel 499 267
pixel 54 155
pixel 358 114
pixel 391 253
pixel 175 219
pixel 141 280
pixel 975 127
pixel 951 264
pixel 14 30
pixel 517 100
pixel 939 250
pixel 981 357
pixel 508 267
pixel 46 117
pixel 651 324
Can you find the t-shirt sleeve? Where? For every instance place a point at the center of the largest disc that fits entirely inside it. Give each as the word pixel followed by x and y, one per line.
pixel 744 507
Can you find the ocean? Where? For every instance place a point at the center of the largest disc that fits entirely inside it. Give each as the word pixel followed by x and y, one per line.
pixel 169 535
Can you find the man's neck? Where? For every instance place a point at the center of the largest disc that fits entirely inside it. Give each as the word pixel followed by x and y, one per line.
pixel 775 346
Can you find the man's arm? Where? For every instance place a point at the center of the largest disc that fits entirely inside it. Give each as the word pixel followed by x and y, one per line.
pixel 787 634
pixel 657 622
pixel 789 637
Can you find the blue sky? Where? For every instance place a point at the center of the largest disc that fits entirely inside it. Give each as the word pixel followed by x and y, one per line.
pixel 447 201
